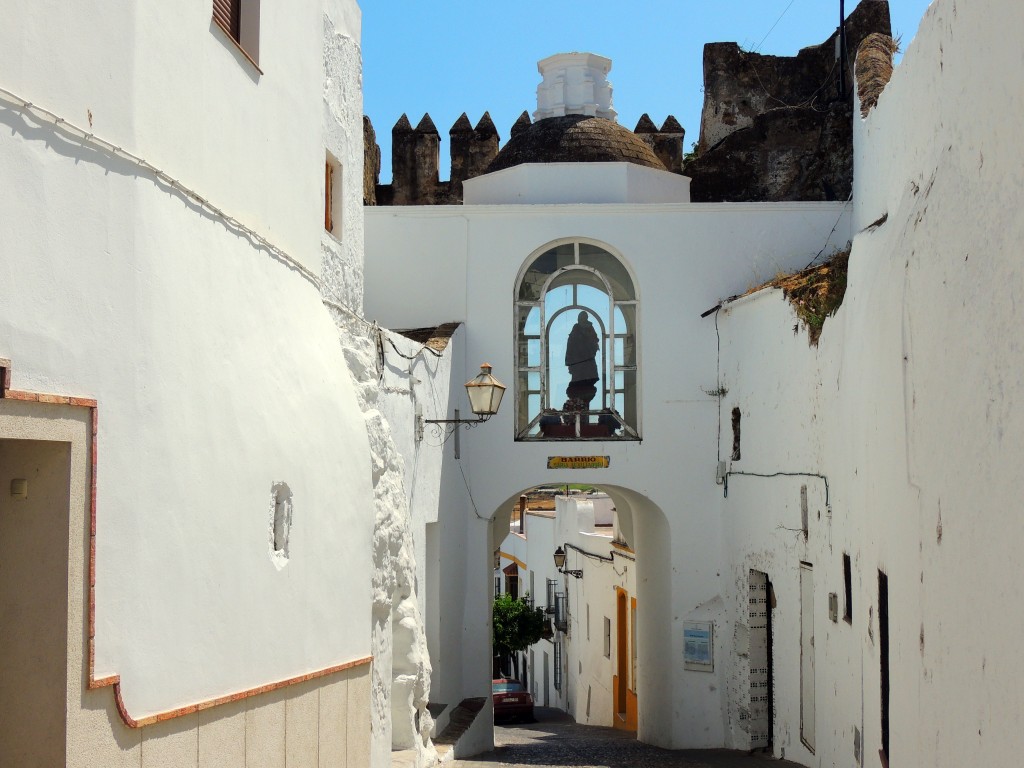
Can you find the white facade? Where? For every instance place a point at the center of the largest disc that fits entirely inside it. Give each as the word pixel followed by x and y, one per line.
pixel 166 276
pixel 896 439
pixel 909 407
pixel 469 259
pixel 585 621
pixel 574 183
pixel 574 84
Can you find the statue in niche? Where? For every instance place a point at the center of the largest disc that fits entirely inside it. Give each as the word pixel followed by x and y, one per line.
pixel 581 359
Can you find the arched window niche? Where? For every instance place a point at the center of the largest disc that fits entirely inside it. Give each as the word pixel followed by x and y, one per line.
pixel 576 345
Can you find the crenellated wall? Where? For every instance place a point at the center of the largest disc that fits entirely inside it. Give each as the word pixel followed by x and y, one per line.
pixel 415 156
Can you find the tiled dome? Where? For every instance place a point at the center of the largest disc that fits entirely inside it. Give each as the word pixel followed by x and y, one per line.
pixel 575 139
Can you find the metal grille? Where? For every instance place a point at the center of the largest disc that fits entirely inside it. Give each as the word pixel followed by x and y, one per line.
pixel 552 585
pixel 561 612
pixel 760 725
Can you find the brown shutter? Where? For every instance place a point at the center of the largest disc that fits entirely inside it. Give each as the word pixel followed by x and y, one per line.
pixel 227 13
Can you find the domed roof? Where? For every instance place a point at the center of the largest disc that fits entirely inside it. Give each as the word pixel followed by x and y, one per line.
pixel 575 139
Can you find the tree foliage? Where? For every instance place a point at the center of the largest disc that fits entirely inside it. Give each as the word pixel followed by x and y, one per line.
pixel 516 625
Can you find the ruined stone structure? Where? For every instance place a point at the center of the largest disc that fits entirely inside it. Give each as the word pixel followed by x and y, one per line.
pixel 772 127
pixel 371 163
pixel 415 152
pixel 575 122
pixel 778 127
pixel 667 143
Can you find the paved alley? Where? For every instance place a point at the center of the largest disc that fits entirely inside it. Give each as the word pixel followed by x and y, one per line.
pixel 555 740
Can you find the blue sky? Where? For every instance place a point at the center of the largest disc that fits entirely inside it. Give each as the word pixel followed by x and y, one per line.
pixel 457 56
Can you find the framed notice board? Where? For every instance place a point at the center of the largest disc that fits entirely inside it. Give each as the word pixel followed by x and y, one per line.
pixel 699 646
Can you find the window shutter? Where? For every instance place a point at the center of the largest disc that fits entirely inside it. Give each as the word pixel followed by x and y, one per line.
pixel 227 14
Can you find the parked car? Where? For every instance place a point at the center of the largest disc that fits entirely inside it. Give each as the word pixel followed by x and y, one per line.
pixel 511 700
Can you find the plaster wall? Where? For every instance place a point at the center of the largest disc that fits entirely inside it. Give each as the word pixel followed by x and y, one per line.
pixel 685 258
pixel 590 670
pixel 217 369
pixel 573 183
pixel 175 357
pixel 776 380
pixel 326 719
pixel 168 84
pixel 417 384
pixel 587 689
pixel 908 407
pixel 950 254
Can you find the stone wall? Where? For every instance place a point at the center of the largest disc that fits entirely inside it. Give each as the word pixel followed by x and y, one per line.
pixel 778 127
pixel 415 154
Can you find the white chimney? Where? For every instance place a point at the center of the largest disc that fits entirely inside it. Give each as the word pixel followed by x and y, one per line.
pixel 574 84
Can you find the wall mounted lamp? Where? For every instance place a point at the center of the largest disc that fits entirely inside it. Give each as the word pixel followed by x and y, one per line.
pixel 484 392
pixel 560 564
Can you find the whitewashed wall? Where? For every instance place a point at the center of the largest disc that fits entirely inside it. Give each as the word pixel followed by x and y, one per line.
pixel 587 672
pixel 217 369
pixel 912 399
pixel 686 258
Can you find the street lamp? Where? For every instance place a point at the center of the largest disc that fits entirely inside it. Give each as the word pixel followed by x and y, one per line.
pixel 484 392
pixel 560 564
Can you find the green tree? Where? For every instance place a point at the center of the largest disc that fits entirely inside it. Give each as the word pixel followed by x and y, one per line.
pixel 516 627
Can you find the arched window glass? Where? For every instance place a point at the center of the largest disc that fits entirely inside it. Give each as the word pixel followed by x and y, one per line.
pixel 576 342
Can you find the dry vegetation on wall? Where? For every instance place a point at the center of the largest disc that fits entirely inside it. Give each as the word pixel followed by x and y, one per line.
pixel 874 68
pixel 815 293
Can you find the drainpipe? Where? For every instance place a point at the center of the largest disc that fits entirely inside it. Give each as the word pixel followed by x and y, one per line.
pixel 842 50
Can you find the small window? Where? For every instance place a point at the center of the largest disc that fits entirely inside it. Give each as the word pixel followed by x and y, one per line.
pixel 736 417
pixel 280 523
pixel 332 196
pixel 240 20
pixel 848 585
pixel 607 637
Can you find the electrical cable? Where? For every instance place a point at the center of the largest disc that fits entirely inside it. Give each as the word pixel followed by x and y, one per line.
pixel 758 46
pixel 471 499
pixel 834 228
pixel 779 474
pixel 88 137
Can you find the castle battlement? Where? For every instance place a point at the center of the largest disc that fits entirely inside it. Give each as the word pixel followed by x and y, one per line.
pixel 415 156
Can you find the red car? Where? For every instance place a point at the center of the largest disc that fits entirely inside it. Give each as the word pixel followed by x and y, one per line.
pixel 511 700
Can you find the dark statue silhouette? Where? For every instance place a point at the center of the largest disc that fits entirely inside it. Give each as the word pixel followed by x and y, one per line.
pixel 581 359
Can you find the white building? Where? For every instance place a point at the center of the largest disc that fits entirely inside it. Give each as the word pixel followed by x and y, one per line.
pixel 895 441
pixel 473 259
pixel 591 603
pixel 202 553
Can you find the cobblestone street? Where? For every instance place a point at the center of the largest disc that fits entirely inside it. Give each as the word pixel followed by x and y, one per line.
pixel 555 740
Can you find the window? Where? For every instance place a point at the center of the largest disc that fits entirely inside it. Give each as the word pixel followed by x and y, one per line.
pixel 240 20
pixel 512 581
pixel 576 345
pixel 280 523
pixel 883 655
pixel 332 195
pixel 607 637
pixel 848 585
pixel 736 417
